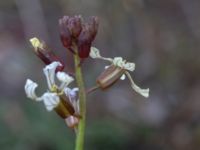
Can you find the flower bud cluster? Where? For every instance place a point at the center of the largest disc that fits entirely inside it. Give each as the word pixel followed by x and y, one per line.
pixel 75 32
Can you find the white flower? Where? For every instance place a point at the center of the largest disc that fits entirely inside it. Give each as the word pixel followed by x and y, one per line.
pixel 51 97
pixel 127 66
pixel 117 61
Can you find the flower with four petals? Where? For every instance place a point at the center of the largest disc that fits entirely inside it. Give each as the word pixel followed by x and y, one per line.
pixel 60 98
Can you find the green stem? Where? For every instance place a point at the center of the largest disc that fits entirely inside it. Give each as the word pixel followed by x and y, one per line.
pixel 82 99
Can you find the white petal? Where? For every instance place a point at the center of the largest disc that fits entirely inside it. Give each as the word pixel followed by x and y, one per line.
pixel 71 92
pixel 94 53
pixel 118 61
pixel 143 92
pixel 30 88
pixel 74 91
pixel 129 66
pixel 49 72
pixel 123 77
pixel 64 78
pixel 51 100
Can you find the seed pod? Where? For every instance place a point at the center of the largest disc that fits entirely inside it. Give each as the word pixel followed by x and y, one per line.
pixel 64 108
pixel 109 76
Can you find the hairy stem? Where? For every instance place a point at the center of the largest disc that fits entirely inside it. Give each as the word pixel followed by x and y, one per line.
pixel 82 98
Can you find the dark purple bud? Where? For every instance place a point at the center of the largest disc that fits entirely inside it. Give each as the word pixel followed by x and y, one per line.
pixel 93 26
pixel 75 26
pixel 65 34
pixel 45 54
pixel 87 35
pixel 84 48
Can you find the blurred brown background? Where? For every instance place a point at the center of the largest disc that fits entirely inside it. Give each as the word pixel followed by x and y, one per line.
pixel 161 36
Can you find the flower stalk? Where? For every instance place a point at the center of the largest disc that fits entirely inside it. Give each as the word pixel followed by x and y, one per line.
pixel 76 36
pixel 82 104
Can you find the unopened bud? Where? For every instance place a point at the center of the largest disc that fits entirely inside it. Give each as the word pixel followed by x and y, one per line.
pixel 36 43
pixel 109 76
pixel 72 121
pixel 75 26
pixel 65 34
pixel 45 54
pixel 84 49
pixel 93 25
pixel 86 37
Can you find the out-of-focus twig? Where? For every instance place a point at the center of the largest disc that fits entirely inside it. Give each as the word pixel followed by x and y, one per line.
pixel 32 18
